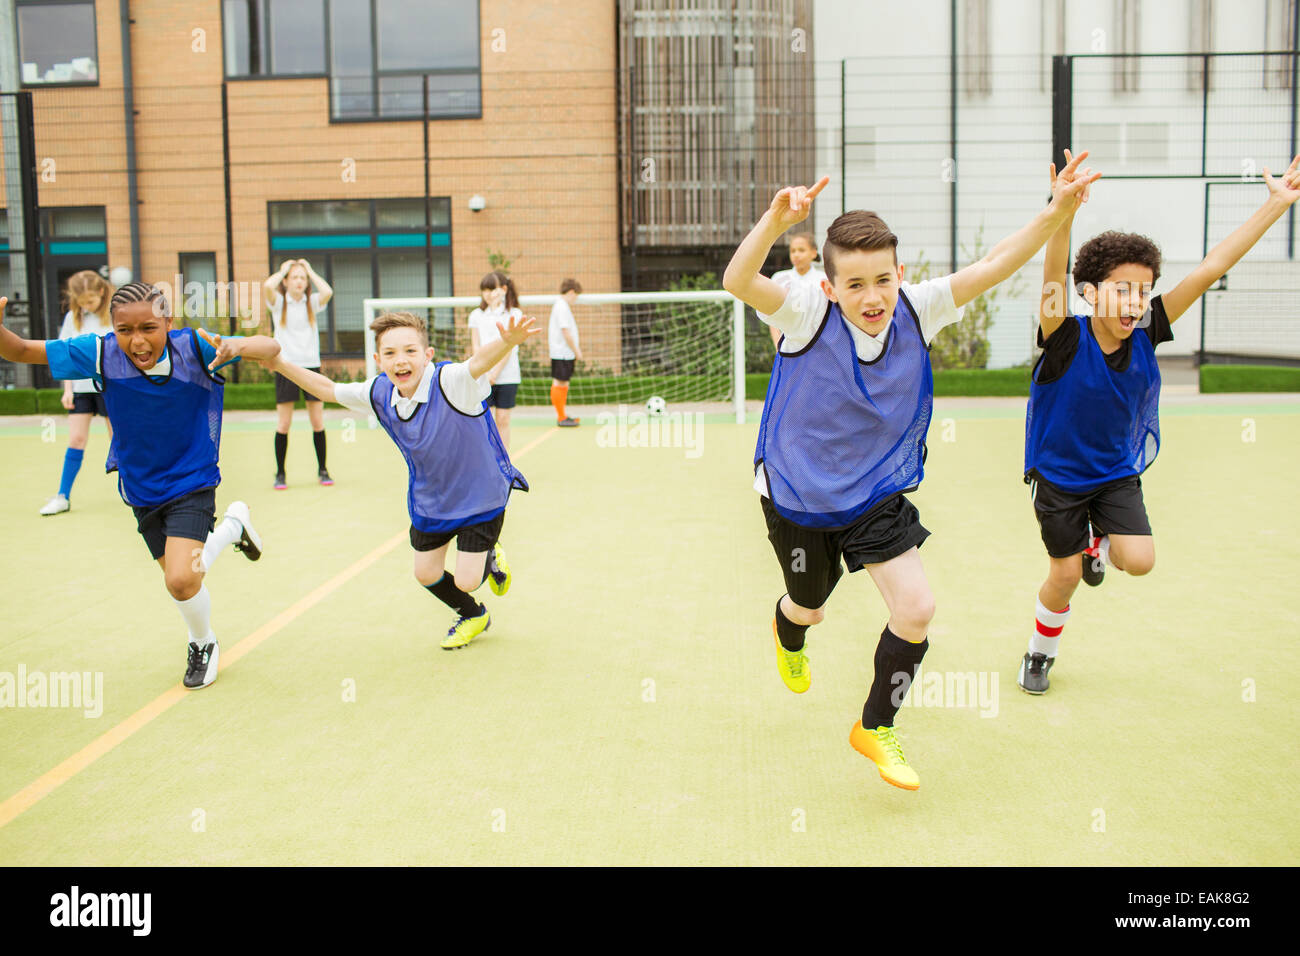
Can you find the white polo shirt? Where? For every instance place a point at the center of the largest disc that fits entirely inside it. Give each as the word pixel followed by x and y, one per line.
pixel 299 342
pixel 561 319
pixel 486 323
pixel 464 391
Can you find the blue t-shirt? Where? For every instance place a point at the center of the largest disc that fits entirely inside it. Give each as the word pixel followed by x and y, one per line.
pixel 78 357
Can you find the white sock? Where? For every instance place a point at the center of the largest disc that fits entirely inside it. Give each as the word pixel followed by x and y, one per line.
pixel 197 612
pixel 222 537
pixel 1103 551
pixel 1046 638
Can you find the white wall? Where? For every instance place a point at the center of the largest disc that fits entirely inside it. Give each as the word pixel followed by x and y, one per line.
pixel 897 68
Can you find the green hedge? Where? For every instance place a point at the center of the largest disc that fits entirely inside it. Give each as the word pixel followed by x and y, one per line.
pixel 1249 378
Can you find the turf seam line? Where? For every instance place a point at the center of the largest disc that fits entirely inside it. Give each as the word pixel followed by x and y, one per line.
pixel 52 779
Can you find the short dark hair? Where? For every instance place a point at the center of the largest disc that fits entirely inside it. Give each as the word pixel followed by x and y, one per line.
pixel 856 230
pixel 1101 255
pixel 399 320
pixel 570 285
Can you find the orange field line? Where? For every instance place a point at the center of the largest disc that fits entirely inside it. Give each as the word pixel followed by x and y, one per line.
pixel 47 782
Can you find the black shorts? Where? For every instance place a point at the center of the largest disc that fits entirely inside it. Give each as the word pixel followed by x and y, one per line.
pixel 1063 516
pixel 503 396
pixel 189 516
pixel 562 369
pixel 470 539
pixel 810 557
pixel 287 391
pixel 89 403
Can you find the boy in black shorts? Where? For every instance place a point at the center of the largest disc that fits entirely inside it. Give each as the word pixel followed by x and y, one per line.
pixel 1093 424
pixel 842 439
pixel 563 340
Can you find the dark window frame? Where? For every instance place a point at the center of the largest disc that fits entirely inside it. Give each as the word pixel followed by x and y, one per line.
pixel 376 73
pixel 267 47
pixel 94 26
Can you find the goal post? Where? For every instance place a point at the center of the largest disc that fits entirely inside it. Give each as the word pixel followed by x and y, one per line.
pixel 685 346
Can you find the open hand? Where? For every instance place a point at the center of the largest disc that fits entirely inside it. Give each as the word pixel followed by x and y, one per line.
pixel 226 351
pixel 1288 187
pixel 1070 187
pixel 519 329
pixel 792 205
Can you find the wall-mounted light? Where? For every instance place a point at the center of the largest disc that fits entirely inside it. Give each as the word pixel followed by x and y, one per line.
pixel 477 203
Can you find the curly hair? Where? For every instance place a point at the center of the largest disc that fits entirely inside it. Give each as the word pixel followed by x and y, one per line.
pixel 1101 255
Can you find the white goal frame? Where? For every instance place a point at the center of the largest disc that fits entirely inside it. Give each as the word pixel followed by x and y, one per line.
pixel 373 307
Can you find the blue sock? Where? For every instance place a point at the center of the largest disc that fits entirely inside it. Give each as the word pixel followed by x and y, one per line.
pixel 71 465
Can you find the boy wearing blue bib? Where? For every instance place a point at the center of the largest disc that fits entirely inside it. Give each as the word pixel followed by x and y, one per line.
pixel 842 438
pixel 164 398
pixel 460 473
pixel 1093 422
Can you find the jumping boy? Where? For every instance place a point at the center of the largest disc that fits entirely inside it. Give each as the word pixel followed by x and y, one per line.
pixel 1093 425
pixel 460 473
pixel 843 432
pixel 164 400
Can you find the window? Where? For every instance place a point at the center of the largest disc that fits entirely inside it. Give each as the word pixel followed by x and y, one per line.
pixel 365 248
pixel 1200 39
pixel 274 37
pixel 383 53
pixel 196 285
pixel 56 43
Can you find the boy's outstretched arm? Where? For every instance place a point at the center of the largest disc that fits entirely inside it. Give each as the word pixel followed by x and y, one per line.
pixel 13 348
pixel 1015 250
pixel 1281 194
pixel 742 279
pixel 1054 304
pixel 314 382
pixel 515 332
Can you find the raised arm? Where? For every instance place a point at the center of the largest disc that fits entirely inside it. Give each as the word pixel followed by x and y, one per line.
pixel 322 287
pixel 269 290
pixel 742 279
pixel 1054 304
pixel 16 349
pixel 1015 250
pixel 1282 193
pixel 519 329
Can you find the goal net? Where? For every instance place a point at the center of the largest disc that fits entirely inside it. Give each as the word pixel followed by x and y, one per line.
pixel 684 347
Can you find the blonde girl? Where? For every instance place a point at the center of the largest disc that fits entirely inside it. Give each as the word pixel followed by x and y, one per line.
pixel 87 296
pixel 295 325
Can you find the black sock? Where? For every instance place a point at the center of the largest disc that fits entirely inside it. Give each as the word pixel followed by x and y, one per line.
pixel 319 439
pixel 790 634
pixel 896 664
pixel 445 590
pixel 281 446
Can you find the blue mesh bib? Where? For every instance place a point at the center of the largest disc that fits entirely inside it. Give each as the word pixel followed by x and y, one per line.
pixel 1094 424
pixel 839 435
pixel 460 473
pixel 166 432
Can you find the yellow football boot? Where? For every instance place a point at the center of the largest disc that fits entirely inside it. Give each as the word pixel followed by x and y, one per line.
pixel 498 571
pixel 883 748
pixel 793 665
pixel 465 630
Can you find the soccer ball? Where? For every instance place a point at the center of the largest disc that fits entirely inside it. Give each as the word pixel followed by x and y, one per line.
pixel 119 276
pixel 655 405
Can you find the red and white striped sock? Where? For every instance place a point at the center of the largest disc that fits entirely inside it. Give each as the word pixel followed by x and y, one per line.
pixel 1047 630
pixel 1100 548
